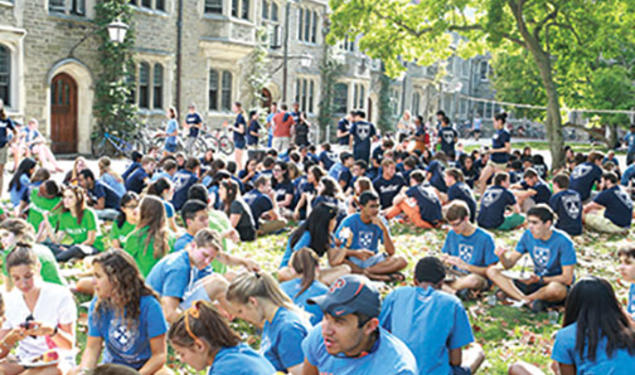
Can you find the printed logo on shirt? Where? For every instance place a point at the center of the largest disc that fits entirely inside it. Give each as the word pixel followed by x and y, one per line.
pixel 388 188
pixel 429 195
pixel 363 131
pixel 465 252
pixel 448 137
pixel 338 284
pixel 541 257
pixel 123 338
pixel 465 189
pixel 365 239
pixel 491 196
pixel 572 205
pixel 623 196
pixel 581 171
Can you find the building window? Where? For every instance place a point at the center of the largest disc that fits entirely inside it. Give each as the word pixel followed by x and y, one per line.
pixel 130 82
pixel 314 27
pixel 484 70
pixel 270 23
pixel 394 101
pixel 416 99
pixel 159 4
pixel 235 6
pixel 307 25
pixel 144 85
pixel 348 44
pixel 311 96
pixel 157 87
pixel 340 98
pixel 220 90
pixel 300 23
pixel 240 8
pixel 214 6
pixel 465 68
pixel 226 97
pixel 57 6
pixel 5 75
pixel 146 4
pixel 213 90
pixel 78 7
pixel 245 10
pixel 265 10
pixel 274 12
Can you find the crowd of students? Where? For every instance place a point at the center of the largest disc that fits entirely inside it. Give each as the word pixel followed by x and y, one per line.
pixel 160 238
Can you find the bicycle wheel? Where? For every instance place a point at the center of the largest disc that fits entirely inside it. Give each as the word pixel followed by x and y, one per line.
pixel 138 145
pixel 225 145
pixel 199 146
pixel 212 142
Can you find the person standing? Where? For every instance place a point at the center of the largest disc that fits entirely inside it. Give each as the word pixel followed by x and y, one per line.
pixel 253 131
pixel 239 130
pixel 193 123
pixel 343 128
pixel 270 125
pixel 362 134
pixel 171 132
pixel 630 143
pixel 500 152
pixel 5 123
pixel 283 127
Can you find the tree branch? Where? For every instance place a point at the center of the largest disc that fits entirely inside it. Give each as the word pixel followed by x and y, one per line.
pixel 541 23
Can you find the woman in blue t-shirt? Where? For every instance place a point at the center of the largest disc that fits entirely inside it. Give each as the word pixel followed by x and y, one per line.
pixel 202 338
pixel 126 316
pixel 306 264
pixel 257 299
pixel 499 153
pixel 21 180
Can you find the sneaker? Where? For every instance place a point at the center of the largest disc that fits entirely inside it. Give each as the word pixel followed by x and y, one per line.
pixel 464 294
pixel 538 306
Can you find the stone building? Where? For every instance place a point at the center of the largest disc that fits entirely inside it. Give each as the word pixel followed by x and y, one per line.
pixel 45 74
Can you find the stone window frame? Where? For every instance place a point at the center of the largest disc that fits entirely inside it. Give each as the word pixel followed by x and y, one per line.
pixel 205 8
pixel 12 39
pixel 139 6
pixel 240 12
pixel 395 99
pixel 222 71
pixel 307 93
pixel 273 26
pixel 359 95
pixel 307 33
pixel 336 100
pixel 152 63
pixel 7 54
pixel 72 8
pixel 415 106
pixel 347 44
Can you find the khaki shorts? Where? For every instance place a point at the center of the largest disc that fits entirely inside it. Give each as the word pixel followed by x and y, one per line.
pixel 597 222
pixel 4 154
pixel 497 166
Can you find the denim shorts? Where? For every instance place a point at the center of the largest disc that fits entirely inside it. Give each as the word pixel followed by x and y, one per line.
pixel 377 258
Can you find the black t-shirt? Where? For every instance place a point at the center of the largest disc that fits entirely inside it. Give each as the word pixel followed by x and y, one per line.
pixel 246 226
pixel 388 189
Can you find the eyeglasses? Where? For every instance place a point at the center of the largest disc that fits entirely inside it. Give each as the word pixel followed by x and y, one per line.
pixel 455 223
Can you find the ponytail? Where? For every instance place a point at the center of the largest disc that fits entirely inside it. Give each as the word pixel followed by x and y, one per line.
pixel 259 285
pixel 305 262
pixel 202 322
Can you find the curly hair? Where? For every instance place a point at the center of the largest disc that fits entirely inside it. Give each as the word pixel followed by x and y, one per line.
pixel 127 283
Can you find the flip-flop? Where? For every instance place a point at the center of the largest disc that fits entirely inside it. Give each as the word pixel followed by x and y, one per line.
pixel 396 277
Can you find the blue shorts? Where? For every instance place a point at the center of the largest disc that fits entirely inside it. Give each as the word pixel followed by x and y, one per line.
pixel 240 145
pixel 377 258
pixel 461 370
pixel 170 147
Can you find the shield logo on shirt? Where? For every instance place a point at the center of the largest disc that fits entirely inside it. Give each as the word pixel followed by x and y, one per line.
pixel 365 239
pixel 491 196
pixel 448 137
pixel 123 337
pixel 572 205
pixel 363 131
pixel 465 252
pixel 623 196
pixel 541 258
pixel 428 194
pixel 581 171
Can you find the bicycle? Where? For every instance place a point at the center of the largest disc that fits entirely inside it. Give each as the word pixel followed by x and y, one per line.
pixel 219 141
pixel 112 145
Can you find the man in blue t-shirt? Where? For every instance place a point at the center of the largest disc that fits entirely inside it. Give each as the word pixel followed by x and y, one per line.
pixel 343 129
pixel 531 191
pixel 360 234
pixel 567 205
pixel 616 205
pixel 349 340
pixel 362 135
pixel 183 277
pixel 458 190
pixel 495 201
pixel 447 138
pixel 433 324
pixel 264 208
pixel 183 180
pixel 193 123
pixel 626 268
pixel 101 197
pixel 586 174
pixel 389 184
pixel 629 141
pixel 553 256
pixel 469 250
pixel 139 178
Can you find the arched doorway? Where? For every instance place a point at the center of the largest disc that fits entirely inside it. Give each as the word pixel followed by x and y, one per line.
pixel 64 114
pixel 266 98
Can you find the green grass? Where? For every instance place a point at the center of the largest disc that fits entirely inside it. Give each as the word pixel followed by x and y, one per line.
pixel 544 146
pixel 507 334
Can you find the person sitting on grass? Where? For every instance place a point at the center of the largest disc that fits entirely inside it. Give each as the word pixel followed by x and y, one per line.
pixel 139 178
pixel 531 191
pixel 183 180
pixel 183 277
pixel 458 190
pixel 101 197
pixel 202 338
pixel 567 205
pixel 256 298
pixel 42 200
pixel 126 221
pixel 195 218
pixel 469 250
pixel 554 258
pixel 494 202
pixel 611 211
pixel 388 184
pixel 433 324
pixel 306 264
pixel 350 340
pixel 263 208
pixel 419 203
pixel 626 268
pixel 586 174
pixel 360 234
pixel 126 316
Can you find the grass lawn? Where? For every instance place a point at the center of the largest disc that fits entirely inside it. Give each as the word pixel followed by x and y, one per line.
pixel 544 146
pixel 506 333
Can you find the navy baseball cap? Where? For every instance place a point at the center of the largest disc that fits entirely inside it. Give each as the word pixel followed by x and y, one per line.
pixel 349 294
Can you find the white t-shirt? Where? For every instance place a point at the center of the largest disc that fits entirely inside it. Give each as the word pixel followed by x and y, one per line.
pixel 54 306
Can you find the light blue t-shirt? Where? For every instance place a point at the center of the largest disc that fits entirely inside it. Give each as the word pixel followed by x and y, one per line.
pixel 476 249
pixel 171 128
pixel 128 344
pixel 117 186
pixel 182 241
pixel 620 363
pixel 303 241
pixel 631 301
pixel 430 323
pixel 173 276
pixel 240 360
pixel 292 287
pixel 15 195
pixel 281 339
pixel 630 141
pixel 548 256
pixel 365 236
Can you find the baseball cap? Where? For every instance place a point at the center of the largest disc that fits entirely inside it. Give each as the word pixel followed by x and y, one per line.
pixel 349 294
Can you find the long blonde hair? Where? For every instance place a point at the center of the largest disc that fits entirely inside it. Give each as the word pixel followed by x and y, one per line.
pixel 260 285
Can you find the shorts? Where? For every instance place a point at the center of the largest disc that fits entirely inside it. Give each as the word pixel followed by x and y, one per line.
pixel 533 288
pixel 169 147
pixel 497 166
pixel 198 293
pixel 240 145
pixel 4 154
pixel 377 258
pixel 461 370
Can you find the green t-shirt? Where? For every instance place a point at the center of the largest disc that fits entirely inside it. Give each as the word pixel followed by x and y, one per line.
pixel 40 205
pixel 135 245
pixel 219 222
pixel 49 271
pixel 120 234
pixel 78 233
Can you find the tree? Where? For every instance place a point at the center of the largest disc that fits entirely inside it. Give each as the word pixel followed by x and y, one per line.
pixel 561 36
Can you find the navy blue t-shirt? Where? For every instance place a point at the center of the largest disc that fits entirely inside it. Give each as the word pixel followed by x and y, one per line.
pixel 436 179
pixel 462 192
pixel 377 155
pixel 619 206
pixel 4 124
pixel 543 194
pixel 131 168
pixel 343 125
pixel 239 138
pixel 362 133
pixel 282 189
pixel 583 177
pixel 493 204
pixel 498 141
pixel 254 126
pixel 328 159
pixel 428 202
pixel 258 203
pixel 183 180
pixel 388 189
pixel 193 119
pixel 346 176
pixel 136 181
pixel 448 137
pixel 568 206
pixel 102 190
